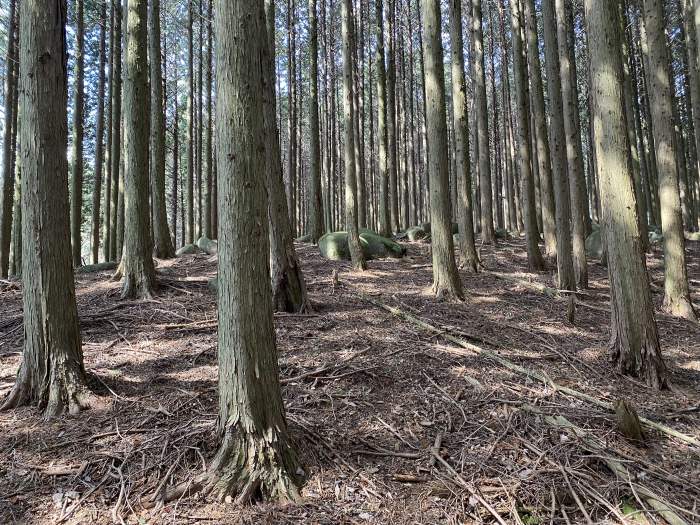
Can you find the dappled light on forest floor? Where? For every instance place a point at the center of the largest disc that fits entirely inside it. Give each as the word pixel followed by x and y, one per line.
pixel 372 401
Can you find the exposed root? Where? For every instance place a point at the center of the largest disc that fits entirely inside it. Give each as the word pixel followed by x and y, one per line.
pixel 246 469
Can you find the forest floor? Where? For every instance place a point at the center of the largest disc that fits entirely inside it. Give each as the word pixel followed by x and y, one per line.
pixel 368 396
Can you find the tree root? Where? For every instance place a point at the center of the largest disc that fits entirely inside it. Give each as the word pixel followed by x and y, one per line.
pixel 681 307
pixel 246 469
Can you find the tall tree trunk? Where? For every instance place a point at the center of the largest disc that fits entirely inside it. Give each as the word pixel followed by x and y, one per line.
pixel 470 258
pixel 8 174
pixel 574 156
pixel 358 259
pixel 288 287
pixel 210 197
pixel 162 244
pixel 189 183
pixel 52 374
pixel 315 203
pixel 136 268
pixel 541 133
pixel 634 340
pixel 382 132
pixel 557 146
pixel 255 457
pixel 524 144
pixel 446 281
pixel 99 138
pixel 78 132
pixel 115 155
pixel 107 218
pixel 487 230
pixel 677 295
pixel 390 13
pixel 176 169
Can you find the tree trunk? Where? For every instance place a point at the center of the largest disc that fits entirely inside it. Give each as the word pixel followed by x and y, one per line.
pixel 677 295
pixel 255 457
pixel 315 203
pixel 99 139
pixel 522 97
pixel 210 198
pixel 288 287
pixel 634 340
pixel 358 259
pixel 446 281
pixel 52 374
pixel 8 174
pixel 189 188
pixel 574 156
pixel 78 132
pixel 542 135
pixel 107 219
pixel 136 269
pixel 557 146
pixel 382 132
pixel 470 258
pixel 487 231
pixel 162 244
pixel 115 155
pixel 390 13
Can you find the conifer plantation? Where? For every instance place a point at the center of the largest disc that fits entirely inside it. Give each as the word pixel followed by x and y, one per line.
pixel 350 261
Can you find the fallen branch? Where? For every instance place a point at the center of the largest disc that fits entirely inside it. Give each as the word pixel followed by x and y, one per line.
pixel 654 500
pixel 524 371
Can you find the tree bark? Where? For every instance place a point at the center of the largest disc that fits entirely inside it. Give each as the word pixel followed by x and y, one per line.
pixel 487 230
pixel 315 202
pixel 189 187
pixel 52 374
pixel 634 340
pixel 677 295
pixel 288 287
pixel 557 146
pixel 78 132
pixel 255 457
pixel 162 244
pixel 8 173
pixel 522 97
pixel 99 138
pixel 382 132
pixel 115 156
pixel 541 133
pixel 446 281
pixel 460 124
pixel 574 156
pixel 358 259
pixel 136 268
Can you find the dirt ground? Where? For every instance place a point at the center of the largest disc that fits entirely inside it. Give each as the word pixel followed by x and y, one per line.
pixel 394 423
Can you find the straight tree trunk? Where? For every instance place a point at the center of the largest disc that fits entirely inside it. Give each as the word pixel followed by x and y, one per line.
pixel 136 269
pixel 358 259
pixel 107 218
pixel 162 244
pixel 574 156
pixel 210 197
pixel 446 281
pixel 256 457
pixel 52 374
pixel 557 146
pixel 315 202
pixel 288 287
pixel 390 13
pixel 677 295
pixel 487 230
pixel 78 132
pixel 541 134
pixel 634 339
pixel 470 257
pixel 382 133
pixel 176 169
pixel 99 137
pixel 115 155
pixel 8 173
pixel 524 144
pixel 189 186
